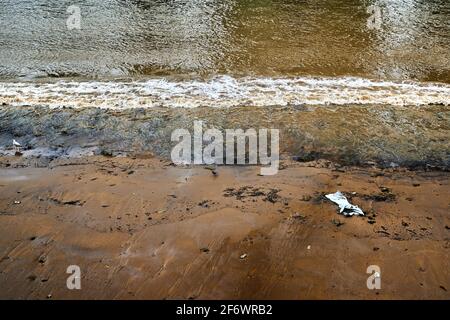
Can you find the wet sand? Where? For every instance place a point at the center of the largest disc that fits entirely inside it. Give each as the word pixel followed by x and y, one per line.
pixel 141 228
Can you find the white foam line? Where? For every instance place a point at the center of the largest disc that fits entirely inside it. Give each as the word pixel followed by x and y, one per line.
pixel 224 91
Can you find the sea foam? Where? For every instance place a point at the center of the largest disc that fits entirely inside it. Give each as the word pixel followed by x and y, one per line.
pixel 223 91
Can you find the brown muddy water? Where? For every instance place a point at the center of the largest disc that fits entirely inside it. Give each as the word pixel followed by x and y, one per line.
pixel 239 38
pixel 353 81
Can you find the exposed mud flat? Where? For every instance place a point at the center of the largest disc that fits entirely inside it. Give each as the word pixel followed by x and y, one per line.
pixel 142 228
pixel 408 136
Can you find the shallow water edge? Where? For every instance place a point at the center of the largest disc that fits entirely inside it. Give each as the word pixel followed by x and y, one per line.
pixel 389 136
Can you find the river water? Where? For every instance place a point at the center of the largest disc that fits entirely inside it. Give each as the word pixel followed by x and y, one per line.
pixel 224 53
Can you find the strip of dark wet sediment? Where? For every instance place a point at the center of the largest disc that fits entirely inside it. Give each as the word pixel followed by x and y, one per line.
pixel 406 136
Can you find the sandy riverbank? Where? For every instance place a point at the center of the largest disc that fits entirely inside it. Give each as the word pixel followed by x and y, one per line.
pixel 144 229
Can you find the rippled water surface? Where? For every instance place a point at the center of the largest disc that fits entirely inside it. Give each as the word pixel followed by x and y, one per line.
pixel 203 38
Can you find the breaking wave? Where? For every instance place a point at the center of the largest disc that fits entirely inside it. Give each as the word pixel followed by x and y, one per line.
pixel 223 91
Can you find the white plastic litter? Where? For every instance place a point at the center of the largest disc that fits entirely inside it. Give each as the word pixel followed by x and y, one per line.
pixel 345 207
pixel 16 145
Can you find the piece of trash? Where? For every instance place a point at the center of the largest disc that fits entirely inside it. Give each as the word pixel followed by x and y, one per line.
pixel 345 207
pixel 16 144
pixel 17 147
pixel 243 256
pixel 308 247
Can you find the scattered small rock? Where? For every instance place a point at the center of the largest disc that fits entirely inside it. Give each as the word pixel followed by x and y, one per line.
pixel 243 256
pixel 376 174
pixel 384 196
pixel 272 196
pixel 306 197
pixel 31 277
pixel 74 202
pixel 204 204
pixel 298 216
pixel 106 153
pixel 42 259
pixel 337 222
pixel 206 250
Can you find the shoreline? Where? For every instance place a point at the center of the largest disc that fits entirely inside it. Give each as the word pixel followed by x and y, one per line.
pixel 389 136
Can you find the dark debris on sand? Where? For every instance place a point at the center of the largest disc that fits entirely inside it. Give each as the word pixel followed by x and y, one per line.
pixel 241 193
